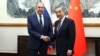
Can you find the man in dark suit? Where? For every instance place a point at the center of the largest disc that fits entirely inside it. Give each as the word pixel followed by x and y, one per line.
pixel 40 31
pixel 64 33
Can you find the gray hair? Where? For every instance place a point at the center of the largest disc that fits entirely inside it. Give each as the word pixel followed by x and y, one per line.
pixel 63 9
pixel 37 4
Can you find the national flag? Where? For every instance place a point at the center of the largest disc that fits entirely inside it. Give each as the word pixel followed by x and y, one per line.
pixel 47 12
pixel 47 9
pixel 75 13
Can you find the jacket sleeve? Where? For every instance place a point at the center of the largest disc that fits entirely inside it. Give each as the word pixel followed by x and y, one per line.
pixel 71 35
pixel 31 31
pixel 50 29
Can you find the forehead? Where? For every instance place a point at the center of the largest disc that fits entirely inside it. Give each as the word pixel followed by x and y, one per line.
pixel 58 9
pixel 40 5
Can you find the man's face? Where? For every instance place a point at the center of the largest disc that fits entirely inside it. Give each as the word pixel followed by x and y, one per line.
pixel 59 13
pixel 40 8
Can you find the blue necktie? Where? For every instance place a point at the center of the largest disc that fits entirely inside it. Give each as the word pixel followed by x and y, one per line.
pixel 40 20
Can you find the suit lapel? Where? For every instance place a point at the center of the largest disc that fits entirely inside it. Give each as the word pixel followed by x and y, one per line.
pixel 56 26
pixel 36 19
pixel 63 24
pixel 45 21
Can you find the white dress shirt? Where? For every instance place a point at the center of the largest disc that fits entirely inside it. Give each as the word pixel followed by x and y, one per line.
pixel 61 22
pixel 38 16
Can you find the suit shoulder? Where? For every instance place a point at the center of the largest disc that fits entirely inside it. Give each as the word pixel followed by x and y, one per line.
pixel 32 15
pixel 46 16
pixel 70 19
pixel 56 21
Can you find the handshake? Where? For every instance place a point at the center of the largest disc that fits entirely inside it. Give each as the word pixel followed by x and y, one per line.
pixel 45 38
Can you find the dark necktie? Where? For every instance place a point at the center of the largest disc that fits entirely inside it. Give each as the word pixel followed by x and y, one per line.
pixel 59 25
pixel 40 20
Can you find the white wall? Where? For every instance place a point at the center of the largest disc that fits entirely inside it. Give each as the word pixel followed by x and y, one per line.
pixel 8 37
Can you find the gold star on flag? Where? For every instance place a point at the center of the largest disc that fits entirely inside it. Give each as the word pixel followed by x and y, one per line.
pixel 70 7
pixel 76 7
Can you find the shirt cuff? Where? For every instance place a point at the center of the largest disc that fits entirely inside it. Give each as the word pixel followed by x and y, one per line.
pixel 41 37
pixel 69 51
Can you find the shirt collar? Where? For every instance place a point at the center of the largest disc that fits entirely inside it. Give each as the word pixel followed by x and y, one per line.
pixel 38 14
pixel 63 19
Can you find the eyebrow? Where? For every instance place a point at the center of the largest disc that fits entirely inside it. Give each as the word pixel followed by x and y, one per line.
pixel 58 11
pixel 40 7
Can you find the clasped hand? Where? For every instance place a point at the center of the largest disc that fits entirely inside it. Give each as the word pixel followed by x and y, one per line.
pixel 46 38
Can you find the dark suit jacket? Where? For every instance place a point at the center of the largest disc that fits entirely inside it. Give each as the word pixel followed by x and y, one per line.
pixel 35 30
pixel 66 37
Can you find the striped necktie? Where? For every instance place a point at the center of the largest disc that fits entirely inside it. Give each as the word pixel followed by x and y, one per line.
pixel 59 25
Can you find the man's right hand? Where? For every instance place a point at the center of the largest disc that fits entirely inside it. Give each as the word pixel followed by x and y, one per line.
pixel 45 38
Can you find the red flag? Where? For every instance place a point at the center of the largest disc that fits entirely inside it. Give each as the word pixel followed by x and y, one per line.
pixel 50 51
pixel 80 41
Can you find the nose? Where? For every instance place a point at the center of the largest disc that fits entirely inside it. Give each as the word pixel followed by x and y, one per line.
pixel 58 14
